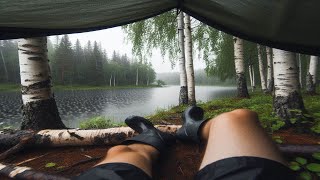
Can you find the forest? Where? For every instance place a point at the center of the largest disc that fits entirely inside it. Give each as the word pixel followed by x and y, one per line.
pixel 77 64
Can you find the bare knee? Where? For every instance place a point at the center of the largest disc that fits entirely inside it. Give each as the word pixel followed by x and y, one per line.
pixel 118 149
pixel 242 116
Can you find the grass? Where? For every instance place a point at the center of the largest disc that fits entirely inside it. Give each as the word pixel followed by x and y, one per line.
pixel 9 87
pixel 99 122
pixel 260 103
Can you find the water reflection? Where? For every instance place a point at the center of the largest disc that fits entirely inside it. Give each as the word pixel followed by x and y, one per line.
pixel 116 104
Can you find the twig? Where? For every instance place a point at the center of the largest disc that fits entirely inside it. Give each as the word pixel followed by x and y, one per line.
pixel 24 140
pixel 31 159
pixel 80 162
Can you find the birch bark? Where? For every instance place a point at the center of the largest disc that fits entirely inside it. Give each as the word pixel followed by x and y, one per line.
pixel 39 106
pixel 261 69
pixel 287 100
pixel 312 75
pixel 189 61
pixel 183 95
pixel 239 65
pixel 270 81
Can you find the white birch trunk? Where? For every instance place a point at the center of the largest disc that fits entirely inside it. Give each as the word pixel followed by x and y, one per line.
pixel 137 77
pixel 261 70
pixel 114 79
pixel 189 61
pixel 239 66
pixel 110 81
pixel 251 77
pixel 183 95
pixel 4 64
pixel 39 107
pixel 270 82
pixel 287 100
pixel 312 75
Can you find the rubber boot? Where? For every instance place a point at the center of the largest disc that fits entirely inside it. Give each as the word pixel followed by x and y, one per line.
pixel 148 134
pixel 192 122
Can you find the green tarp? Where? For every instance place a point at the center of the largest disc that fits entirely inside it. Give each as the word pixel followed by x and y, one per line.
pixel 285 24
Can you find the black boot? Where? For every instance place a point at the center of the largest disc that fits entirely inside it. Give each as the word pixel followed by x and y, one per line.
pixel 148 134
pixel 192 122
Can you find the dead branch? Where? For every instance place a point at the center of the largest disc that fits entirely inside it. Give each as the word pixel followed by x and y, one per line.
pixel 25 173
pixel 21 145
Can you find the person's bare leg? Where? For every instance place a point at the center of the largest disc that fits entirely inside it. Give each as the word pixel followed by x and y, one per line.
pixel 139 155
pixel 237 133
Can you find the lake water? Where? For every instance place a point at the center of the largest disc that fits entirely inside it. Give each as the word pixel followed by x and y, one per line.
pixel 117 104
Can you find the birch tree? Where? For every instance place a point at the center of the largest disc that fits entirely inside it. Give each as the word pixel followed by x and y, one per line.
pixel 261 69
pixel 39 107
pixel 183 95
pixel 189 61
pixel 270 81
pixel 312 75
pixel 287 100
pixel 239 66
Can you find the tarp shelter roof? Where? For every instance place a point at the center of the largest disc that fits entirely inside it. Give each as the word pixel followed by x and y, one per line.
pixel 285 24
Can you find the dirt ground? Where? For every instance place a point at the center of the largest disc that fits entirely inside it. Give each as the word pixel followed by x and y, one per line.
pixel 181 163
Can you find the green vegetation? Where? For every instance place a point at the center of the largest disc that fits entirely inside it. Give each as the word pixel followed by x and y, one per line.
pixel 306 168
pixel 9 87
pixel 99 122
pixel 260 103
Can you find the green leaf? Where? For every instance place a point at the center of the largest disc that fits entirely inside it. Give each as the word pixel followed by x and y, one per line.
pixel 51 164
pixel 294 166
pixel 305 175
pixel 301 160
pixel 279 141
pixel 318 174
pixel 314 167
pixel 316 155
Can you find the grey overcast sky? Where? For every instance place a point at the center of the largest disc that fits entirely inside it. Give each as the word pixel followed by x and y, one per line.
pixel 114 39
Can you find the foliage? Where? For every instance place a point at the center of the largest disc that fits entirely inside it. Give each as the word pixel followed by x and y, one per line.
pixel 306 168
pixel 156 32
pixel 78 65
pixel 160 82
pixel 99 122
pixel 50 164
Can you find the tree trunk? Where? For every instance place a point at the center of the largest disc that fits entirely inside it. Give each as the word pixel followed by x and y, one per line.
pixel 253 78
pixel 183 95
pixel 270 81
pixel 261 70
pixel 25 173
pixel 39 106
pixel 114 80
pixel 312 75
pixel 250 76
pixel 287 100
pixel 189 61
pixel 4 65
pixel 300 71
pixel 137 77
pixel 239 65
pixel 110 81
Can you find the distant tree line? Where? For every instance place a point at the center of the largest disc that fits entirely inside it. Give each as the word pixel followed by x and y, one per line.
pixel 200 76
pixel 79 64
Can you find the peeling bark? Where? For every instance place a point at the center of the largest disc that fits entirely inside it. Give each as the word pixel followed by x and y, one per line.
pixel 239 65
pixel 270 80
pixel 76 137
pixel 189 61
pixel 287 100
pixel 183 98
pixel 311 80
pixel 183 95
pixel 261 70
pixel 25 173
pixel 39 107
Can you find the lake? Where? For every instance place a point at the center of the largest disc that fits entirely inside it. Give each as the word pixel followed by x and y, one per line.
pixel 116 104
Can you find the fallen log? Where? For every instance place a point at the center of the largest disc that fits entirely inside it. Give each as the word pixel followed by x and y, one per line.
pixel 111 136
pixel 25 173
